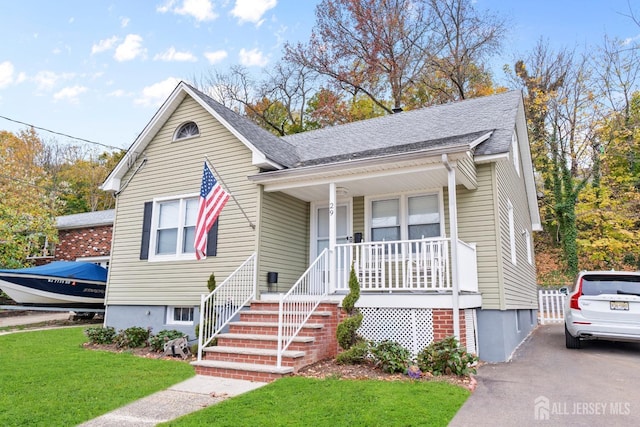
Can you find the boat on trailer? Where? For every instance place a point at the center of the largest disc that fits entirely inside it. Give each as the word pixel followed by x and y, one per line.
pixel 72 284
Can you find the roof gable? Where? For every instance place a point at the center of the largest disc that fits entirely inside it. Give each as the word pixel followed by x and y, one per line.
pixel 268 151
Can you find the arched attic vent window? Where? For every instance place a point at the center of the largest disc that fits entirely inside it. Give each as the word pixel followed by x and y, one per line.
pixel 187 130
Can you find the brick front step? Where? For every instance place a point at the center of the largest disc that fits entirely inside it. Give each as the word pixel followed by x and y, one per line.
pixel 241 371
pixel 260 341
pixel 253 356
pixel 249 350
pixel 269 328
pixel 272 316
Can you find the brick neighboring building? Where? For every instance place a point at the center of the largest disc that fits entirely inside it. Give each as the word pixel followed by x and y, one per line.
pixel 82 237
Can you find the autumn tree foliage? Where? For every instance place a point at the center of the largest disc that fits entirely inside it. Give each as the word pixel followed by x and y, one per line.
pixel 27 207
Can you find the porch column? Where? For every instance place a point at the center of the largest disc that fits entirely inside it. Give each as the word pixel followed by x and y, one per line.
pixel 453 234
pixel 332 237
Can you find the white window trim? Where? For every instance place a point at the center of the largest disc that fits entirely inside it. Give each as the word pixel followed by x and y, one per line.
pixel 516 152
pixel 170 313
pixel 175 133
pixel 153 257
pixel 512 233
pixel 404 209
pixel 527 241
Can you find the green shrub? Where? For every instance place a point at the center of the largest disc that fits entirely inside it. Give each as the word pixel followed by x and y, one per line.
pixel 391 357
pixel 446 357
pixel 357 354
pixel 133 337
pixel 347 331
pixel 158 341
pixel 100 335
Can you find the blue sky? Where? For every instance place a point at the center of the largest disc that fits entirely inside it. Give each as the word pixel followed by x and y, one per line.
pixel 98 69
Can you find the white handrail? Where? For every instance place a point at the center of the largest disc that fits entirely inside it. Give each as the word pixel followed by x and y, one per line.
pixel 297 305
pixel 219 307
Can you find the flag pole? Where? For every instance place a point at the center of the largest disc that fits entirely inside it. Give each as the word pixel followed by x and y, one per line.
pixel 228 191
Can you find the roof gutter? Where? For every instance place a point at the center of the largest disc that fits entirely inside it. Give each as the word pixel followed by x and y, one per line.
pixel 331 168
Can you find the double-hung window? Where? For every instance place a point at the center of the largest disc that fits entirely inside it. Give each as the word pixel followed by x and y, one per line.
pixel 407 217
pixel 173 228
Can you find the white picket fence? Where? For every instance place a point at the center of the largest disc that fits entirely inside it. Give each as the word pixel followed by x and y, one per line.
pixel 551 306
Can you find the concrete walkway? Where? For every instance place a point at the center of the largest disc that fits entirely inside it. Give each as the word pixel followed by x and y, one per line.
pixel 189 396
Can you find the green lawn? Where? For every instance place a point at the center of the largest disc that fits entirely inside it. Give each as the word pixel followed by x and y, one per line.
pixel 48 379
pixel 296 401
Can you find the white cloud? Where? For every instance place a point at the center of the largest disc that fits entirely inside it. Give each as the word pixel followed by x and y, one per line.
pixel 118 93
pixel 21 77
pixel 155 94
pixel 252 10
pixel 124 22
pixel 173 55
pixel 46 80
pixel 70 94
pixel 252 58
pixel 201 10
pixel 6 74
pixel 215 57
pixel 130 48
pixel 102 45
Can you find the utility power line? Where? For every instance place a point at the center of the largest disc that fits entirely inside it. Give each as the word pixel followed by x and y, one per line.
pixel 62 134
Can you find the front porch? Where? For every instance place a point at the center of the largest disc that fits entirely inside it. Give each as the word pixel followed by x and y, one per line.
pixel 407 295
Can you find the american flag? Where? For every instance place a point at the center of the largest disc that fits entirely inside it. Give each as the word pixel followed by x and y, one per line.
pixel 212 200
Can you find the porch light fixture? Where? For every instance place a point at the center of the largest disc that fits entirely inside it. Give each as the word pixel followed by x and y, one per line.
pixel 342 191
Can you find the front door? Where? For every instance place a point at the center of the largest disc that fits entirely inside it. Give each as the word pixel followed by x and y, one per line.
pixel 321 235
pixel 321 223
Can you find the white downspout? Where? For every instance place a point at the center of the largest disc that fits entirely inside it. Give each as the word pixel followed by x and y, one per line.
pixel 332 237
pixel 453 232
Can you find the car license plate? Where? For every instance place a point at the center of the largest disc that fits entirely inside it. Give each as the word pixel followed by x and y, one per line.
pixel 619 305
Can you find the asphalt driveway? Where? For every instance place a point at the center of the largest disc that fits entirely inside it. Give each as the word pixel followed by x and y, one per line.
pixel 546 384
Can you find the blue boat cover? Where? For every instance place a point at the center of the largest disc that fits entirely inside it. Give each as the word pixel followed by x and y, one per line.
pixel 66 269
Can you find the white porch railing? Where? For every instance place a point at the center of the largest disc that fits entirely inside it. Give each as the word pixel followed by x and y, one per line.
pixel 297 305
pixel 220 306
pixel 406 265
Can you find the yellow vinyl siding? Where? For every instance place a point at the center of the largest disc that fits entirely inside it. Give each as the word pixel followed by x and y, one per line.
pixel 358 215
pixel 284 239
pixel 174 168
pixel 519 279
pixel 476 224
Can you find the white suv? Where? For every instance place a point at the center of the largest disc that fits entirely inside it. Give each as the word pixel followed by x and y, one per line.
pixel 603 305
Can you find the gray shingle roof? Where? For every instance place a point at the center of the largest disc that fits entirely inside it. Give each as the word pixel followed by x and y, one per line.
pixel 416 129
pixel 274 148
pixel 431 127
pixel 87 219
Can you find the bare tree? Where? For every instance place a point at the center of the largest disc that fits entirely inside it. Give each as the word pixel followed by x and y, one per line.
pixel 374 47
pixel 462 41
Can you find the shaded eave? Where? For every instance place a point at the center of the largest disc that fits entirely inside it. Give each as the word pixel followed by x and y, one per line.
pixel 380 174
pixel 113 181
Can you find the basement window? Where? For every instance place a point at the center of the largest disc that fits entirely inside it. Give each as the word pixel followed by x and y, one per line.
pixel 180 315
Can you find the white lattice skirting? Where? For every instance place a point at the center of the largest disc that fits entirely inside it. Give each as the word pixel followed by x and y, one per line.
pixel 410 327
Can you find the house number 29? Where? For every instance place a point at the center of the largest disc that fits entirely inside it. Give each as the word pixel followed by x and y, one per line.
pixel 331 209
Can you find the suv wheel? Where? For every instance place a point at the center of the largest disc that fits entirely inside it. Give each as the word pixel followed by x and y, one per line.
pixel 570 340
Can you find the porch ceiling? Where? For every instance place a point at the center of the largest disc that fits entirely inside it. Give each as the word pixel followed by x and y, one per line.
pixel 359 180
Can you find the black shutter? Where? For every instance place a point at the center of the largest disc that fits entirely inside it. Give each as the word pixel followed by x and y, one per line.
pixel 146 230
pixel 212 239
